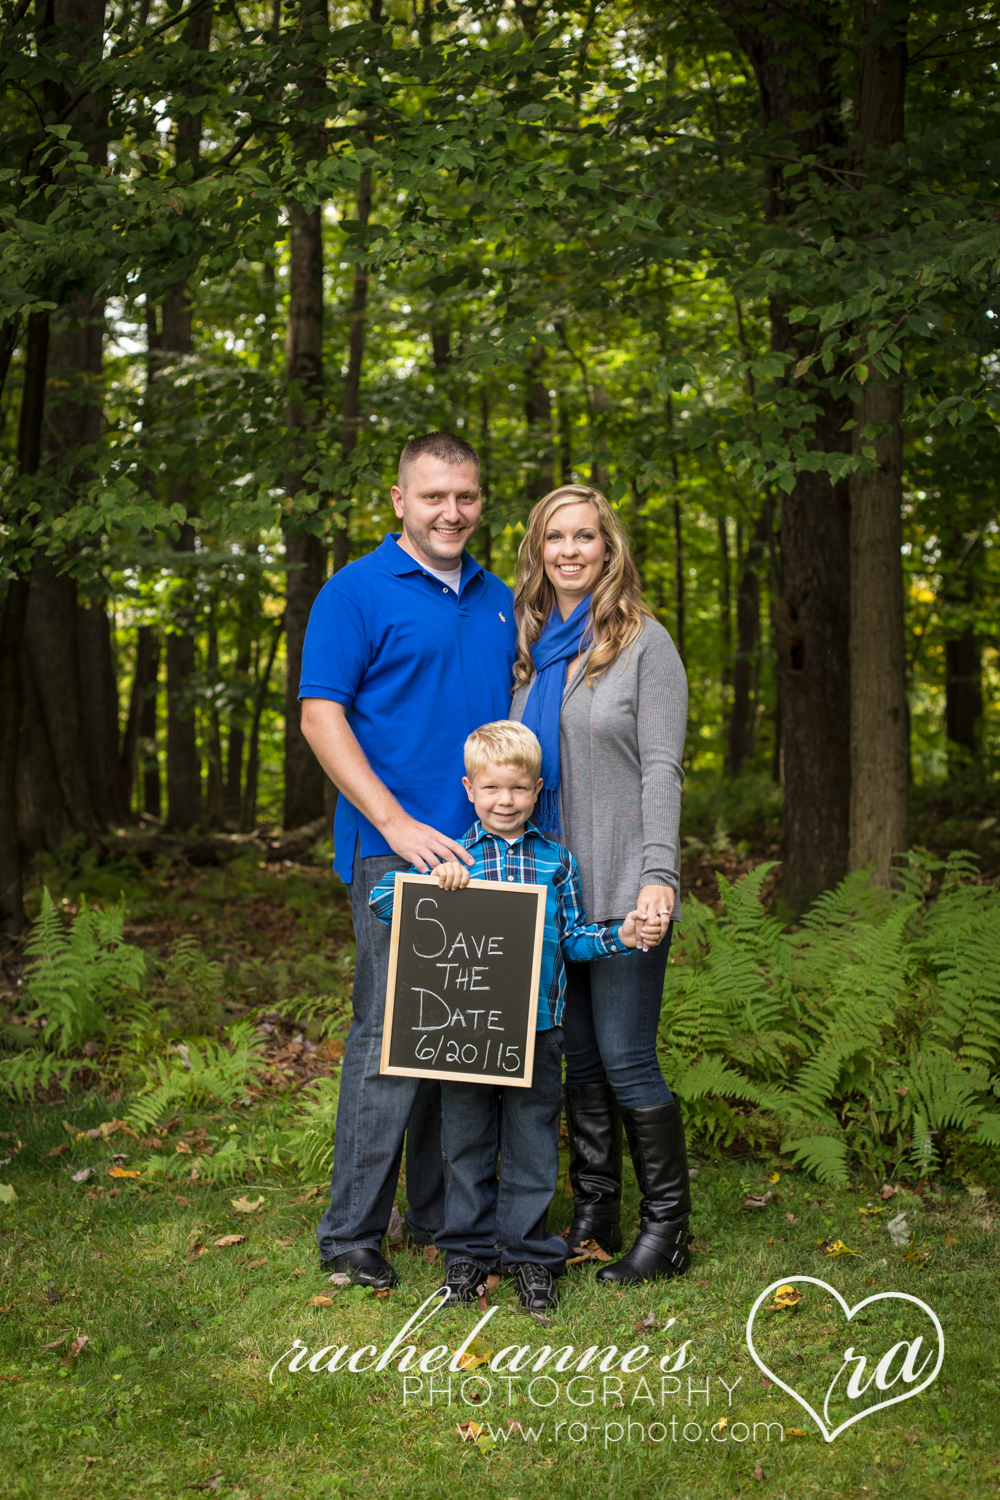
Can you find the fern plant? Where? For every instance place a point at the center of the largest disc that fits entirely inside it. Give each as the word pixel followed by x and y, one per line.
pixel 868 1037
pixel 82 985
pixel 194 1074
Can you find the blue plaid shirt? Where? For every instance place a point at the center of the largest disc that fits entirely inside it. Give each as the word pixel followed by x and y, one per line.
pixel 534 860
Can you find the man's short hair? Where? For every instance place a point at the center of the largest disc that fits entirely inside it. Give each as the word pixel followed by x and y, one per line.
pixel 443 445
pixel 503 743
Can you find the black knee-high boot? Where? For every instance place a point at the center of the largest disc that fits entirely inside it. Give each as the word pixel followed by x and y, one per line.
pixel 656 1141
pixel 595 1165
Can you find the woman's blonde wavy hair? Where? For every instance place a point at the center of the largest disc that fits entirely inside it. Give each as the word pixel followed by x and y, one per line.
pixel 617 611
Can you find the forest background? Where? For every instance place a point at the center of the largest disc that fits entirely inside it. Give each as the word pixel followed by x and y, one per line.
pixel 735 263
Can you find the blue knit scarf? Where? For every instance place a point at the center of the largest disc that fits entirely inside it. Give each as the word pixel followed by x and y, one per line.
pixel 557 645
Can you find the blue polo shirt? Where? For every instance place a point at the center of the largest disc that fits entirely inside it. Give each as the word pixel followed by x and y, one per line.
pixel 418 668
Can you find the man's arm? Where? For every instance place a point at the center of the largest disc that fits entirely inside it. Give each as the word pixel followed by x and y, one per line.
pixel 333 742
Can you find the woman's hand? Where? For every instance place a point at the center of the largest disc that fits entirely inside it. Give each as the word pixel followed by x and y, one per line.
pixel 451 875
pixel 655 907
pixel 634 935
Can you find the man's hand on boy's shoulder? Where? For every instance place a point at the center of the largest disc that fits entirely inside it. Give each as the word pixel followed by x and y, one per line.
pixel 451 875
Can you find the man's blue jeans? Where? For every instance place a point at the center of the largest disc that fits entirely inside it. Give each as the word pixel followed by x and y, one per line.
pixel 374 1111
pixel 610 1024
pixel 487 1207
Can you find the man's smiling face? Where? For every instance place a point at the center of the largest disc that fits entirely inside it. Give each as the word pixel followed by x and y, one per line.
pixel 439 507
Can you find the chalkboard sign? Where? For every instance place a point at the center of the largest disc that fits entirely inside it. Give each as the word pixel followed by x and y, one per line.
pixel 462 997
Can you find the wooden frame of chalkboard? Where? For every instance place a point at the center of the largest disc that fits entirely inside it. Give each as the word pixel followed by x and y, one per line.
pixel 507 1033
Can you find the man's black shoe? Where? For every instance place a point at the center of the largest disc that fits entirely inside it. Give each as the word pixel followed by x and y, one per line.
pixel 364 1266
pixel 463 1282
pixel 536 1287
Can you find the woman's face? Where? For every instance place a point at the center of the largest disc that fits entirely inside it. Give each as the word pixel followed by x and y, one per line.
pixel 574 553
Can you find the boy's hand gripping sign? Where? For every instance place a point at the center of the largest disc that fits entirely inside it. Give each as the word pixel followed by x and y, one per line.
pixel 464 967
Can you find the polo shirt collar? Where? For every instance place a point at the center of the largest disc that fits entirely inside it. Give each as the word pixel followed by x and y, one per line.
pixel 400 562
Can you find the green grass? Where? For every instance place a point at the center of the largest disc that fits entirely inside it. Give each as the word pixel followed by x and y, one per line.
pixel 172 1388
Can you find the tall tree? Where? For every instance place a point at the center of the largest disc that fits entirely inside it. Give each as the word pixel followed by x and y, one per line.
pixel 800 112
pixel 879 721
pixel 304 552
pixel 177 344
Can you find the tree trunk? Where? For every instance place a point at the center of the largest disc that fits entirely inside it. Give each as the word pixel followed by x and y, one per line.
pixel 485 476
pixel 743 721
pixel 248 816
pixel 176 343
pixel 151 799
pixel 13 606
pixel 304 555
pixel 879 720
pixel 726 611
pixel 351 409
pixel 538 415
pixel 215 812
pixel 99 688
pixel 183 761
pixel 799 97
pixel 13 612
pixel 963 683
pixel 234 749
pixel 146 653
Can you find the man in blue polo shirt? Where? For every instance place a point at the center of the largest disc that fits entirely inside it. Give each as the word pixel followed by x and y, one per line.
pixel 407 651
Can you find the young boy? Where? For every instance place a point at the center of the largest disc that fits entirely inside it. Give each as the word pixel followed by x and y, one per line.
pixel 487 1206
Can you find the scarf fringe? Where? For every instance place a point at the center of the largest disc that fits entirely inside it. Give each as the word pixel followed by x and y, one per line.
pixel 547 812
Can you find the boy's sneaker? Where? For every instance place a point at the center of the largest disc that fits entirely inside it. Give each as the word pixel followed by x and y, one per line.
pixel 464 1281
pixel 536 1287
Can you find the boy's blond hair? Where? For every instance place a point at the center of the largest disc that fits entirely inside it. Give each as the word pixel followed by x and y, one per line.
pixel 503 743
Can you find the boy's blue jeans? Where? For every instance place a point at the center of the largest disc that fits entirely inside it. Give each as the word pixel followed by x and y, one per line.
pixel 375 1109
pixel 491 1207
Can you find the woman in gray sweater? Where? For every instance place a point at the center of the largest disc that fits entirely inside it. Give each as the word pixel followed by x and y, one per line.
pixel 600 682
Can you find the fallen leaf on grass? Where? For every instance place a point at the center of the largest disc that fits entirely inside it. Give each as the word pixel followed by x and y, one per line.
pixel 74 1349
pixel 339 1278
pixel 834 1247
pixel 589 1250
pixel 477 1354
pixel 951 1239
pixel 306 1196
pixel 211 1483
pixel 758 1471
pixel 397 1227
pixel 383 1292
pixel 492 1282
pixel 57 1342
pixel 230 1239
pixel 183 1202
pixel 887 1191
pixel 467 1430
pixel 83 1174
pixel 183 1148
pixel 786 1296
pixel 319 1302
pixel 8 1308
pixel 124 1172
pixel 71 1129
pixel 197 1250
pixel 899 1230
pixel 774 1177
pixel 88 1460
pixel 795 1432
pixel 647 1322
pixel 299 1271
pixel 261 1262
pixel 286 1244
pixel 52 1297
pixel 543 1319
pixel 791 1218
pixel 917 1256
pixel 7 1193
pixel 244 1206
pixel 871 1210
pixel 56 1150
pixel 758 1200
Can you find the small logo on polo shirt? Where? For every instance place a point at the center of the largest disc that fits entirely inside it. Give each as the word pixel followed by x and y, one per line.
pixel 502 616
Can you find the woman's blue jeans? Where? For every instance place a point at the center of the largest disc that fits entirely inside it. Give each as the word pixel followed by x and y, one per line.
pixel 610 1023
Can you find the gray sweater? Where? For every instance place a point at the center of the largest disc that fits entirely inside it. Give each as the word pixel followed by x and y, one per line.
pixel 620 747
